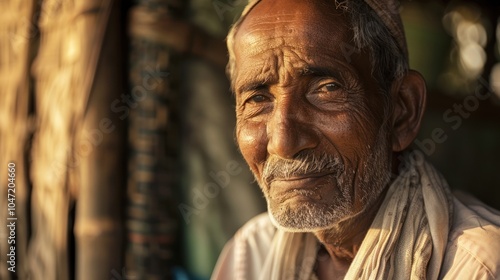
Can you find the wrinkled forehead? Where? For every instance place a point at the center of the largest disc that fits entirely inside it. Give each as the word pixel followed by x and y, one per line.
pixel 310 22
pixel 296 35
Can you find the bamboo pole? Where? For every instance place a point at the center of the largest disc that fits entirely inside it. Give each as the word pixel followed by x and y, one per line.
pixel 64 69
pixel 17 31
pixel 100 176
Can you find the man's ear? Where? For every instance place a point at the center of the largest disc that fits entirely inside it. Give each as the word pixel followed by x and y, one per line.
pixel 409 97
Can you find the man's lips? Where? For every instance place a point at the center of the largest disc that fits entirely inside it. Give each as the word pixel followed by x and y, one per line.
pixel 303 177
pixel 304 185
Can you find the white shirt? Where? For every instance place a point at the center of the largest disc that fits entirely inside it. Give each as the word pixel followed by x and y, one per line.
pixel 472 251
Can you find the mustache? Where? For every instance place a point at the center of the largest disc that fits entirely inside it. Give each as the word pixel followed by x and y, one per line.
pixel 303 165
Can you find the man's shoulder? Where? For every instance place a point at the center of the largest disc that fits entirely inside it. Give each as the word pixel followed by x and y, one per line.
pixel 474 241
pixel 244 255
pixel 259 227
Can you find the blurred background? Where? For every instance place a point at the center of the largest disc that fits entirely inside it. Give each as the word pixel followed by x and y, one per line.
pixel 119 119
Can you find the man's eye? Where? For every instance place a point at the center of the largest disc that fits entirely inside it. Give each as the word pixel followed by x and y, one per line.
pixel 257 98
pixel 330 87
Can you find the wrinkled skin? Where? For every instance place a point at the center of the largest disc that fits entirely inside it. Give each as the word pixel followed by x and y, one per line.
pixel 299 94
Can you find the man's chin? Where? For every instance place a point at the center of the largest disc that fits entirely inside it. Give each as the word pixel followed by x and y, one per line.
pixel 302 220
pixel 293 228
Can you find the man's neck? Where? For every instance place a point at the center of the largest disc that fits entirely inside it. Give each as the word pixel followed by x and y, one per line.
pixel 342 241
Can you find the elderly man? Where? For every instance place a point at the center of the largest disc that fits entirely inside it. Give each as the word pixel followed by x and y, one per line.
pixel 326 109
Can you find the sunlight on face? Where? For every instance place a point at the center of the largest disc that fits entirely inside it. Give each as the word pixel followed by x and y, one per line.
pixel 310 121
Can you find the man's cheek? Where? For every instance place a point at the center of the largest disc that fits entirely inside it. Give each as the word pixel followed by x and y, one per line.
pixel 251 138
pixel 353 135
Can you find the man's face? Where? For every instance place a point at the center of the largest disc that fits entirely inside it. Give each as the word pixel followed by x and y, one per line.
pixel 310 116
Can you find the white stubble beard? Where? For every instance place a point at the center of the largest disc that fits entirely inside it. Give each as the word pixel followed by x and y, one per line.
pixel 310 217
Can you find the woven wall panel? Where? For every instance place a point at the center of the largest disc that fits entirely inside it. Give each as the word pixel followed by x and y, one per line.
pixel 153 149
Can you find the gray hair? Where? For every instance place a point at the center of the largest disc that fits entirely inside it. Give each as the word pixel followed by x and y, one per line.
pixel 369 31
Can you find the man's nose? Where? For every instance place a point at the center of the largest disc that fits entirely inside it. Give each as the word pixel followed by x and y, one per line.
pixel 289 132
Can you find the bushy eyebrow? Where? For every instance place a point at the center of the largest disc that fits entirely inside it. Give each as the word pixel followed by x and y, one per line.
pixel 252 83
pixel 251 86
pixel 319 71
